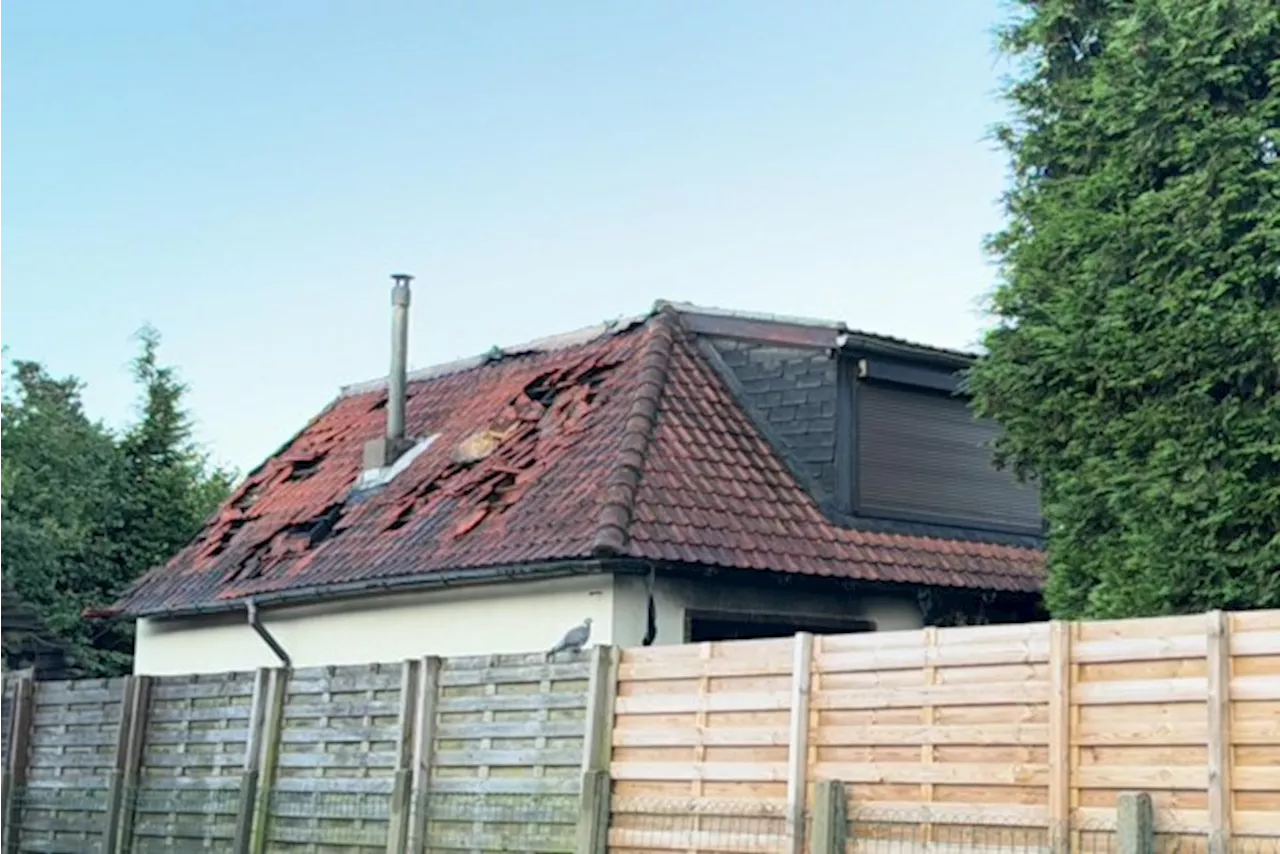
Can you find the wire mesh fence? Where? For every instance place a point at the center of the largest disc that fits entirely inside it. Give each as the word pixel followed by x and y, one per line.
pixel 61 818
pixel 349 820
pixel 1255 844
pixel 534 824
pixel 877 831
pixel 177 819
pixel 182 819
pixel 696 824
pixel 75 821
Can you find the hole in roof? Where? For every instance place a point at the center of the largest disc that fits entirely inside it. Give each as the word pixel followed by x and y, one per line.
pixel 540 389
pixel 226 536
pixel 303 469
pixel 249 497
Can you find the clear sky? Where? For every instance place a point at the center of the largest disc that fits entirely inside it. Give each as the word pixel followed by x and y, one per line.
pixel 244 175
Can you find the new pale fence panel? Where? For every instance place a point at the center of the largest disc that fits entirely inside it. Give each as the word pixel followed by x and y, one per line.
pixel 1253 730
pixel 701 747
pixel 193 747
pixel 507 757
pixel 947 729
pixel 1139 718
pixel 71 762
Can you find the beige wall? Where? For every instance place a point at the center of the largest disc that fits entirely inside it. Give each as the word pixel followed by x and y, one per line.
pixel 502 618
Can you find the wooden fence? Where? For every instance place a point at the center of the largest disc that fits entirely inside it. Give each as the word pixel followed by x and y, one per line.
pixel 1038 727
pixel 331 759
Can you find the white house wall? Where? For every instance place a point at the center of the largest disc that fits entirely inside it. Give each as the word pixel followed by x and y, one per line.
pixel 501 618
pixel 511 617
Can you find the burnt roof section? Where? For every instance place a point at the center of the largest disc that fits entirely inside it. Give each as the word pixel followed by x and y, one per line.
pixel 615 442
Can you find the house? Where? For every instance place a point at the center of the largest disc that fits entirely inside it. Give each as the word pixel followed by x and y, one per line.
pixel 688 475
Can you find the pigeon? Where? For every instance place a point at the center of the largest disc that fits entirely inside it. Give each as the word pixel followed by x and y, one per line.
pixel 574 639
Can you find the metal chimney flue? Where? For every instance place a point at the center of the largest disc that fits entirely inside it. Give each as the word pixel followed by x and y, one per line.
pixel 399 356
pixel 380 453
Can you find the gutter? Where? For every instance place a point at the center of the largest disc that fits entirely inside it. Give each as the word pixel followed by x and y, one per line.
pixel 410 583
pixel 859 343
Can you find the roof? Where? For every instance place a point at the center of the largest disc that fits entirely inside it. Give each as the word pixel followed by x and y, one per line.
pixel 617 442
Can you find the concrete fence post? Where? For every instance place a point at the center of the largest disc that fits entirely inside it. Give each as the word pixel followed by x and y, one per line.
pixel 830 817
pixel 1135 824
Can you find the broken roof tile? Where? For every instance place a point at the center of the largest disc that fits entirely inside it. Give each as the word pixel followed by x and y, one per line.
pixel 625 444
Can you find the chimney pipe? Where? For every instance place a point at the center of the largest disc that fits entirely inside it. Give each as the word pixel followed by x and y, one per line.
pixel 381 453
pixel 399 358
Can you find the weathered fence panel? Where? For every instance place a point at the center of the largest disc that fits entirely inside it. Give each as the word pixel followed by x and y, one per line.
pixel 70 765
pixel 507 754
pixel 336 759
pixel 187 793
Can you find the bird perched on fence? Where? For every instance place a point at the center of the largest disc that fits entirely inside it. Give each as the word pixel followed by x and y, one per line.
pixel 574 639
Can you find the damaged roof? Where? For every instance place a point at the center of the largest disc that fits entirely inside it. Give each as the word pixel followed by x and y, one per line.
pixel 617 442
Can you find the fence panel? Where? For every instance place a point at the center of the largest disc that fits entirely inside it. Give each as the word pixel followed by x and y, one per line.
pixel 75 726
pixel 1254 724
pixel 1140 719
pixel 700 743
pixel 193 751
pixel 336 760
pixel 507 757
pixel 938 732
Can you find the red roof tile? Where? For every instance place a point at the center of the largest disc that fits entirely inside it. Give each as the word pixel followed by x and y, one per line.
pixel 628 445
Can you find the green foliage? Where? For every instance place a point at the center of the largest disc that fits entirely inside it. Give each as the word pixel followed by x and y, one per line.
pixel 86 511
pixel 1135 363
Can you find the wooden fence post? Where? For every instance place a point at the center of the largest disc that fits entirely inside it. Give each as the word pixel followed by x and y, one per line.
pixel 121 794
pixel 1060 735
pixel 277 684
pixel 424 739
pixel 15 777
pixel 401 789
pixel 1218 700
pixel 593 814
pixel 597 750
pixel 7 689
pixel 830 817
pixel 1135 824
pixel 798 752
pixel 249 771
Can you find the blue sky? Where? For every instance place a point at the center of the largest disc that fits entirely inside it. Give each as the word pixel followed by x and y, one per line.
pixel 245 175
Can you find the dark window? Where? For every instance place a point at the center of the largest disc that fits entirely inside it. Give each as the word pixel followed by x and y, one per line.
pixel 922 455
pixel 715 626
